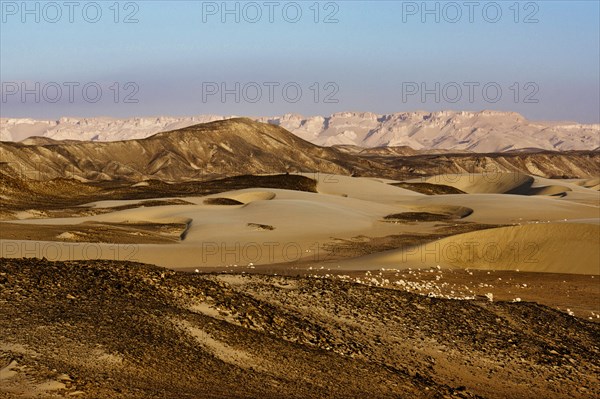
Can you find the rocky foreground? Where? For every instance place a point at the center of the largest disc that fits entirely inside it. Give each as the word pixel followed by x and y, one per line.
pixel 101 329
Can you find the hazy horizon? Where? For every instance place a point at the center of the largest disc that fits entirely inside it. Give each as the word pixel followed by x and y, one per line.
pixel 540 59
pixel 229 116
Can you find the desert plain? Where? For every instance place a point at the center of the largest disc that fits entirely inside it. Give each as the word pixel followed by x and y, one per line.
pixel 234 259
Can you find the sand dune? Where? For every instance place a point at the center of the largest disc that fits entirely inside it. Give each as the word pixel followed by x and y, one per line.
pixel 513 183
pixel 251 196
pixel 548 190
pixel 593 184
pixel 491 183
pixel 275 225
pixel 367 189
pixel 553 248
pixel 225 235
pixel 457 212
pixel 513 209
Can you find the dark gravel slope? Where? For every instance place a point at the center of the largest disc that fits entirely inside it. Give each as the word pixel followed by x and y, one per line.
pixel 101 329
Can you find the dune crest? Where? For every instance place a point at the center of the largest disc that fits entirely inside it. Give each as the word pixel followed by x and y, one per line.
pixel 552 248
pixel 251 196
pixel 484 183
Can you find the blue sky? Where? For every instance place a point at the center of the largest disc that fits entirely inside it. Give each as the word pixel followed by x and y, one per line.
pixel 177 57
